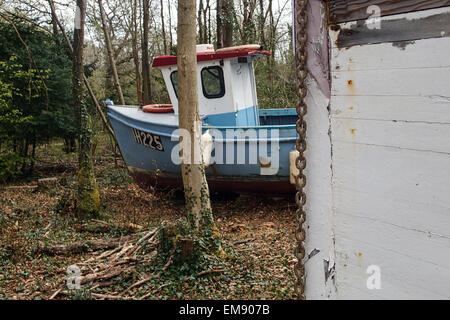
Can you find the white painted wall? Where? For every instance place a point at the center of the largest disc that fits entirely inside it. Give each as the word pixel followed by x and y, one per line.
pixel 244 90
pixel 320 280
pixel 390 142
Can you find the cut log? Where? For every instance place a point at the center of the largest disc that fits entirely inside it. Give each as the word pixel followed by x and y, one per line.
pixel 79 247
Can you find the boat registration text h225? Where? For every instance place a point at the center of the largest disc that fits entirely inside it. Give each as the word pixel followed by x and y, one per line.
pixel 147 139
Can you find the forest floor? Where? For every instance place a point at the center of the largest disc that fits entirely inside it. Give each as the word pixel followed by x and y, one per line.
pixel 257 232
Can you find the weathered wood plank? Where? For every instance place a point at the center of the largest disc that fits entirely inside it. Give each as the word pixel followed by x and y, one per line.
pixel 404 188
pixel 317 47
pixel 320 235
pixel 386 60
pixel 385 217
pixel 434 23
pixel 402 277
pixel 402 232
pixel 400 82
pixel 431 109
pixel 428 53
pixel 432 137
pixel 345 10
pixel 390 136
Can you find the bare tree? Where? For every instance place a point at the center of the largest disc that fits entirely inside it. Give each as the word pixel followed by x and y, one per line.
pixel 88 203
pixel 163 28
pixel 112 61
pixel 169 5
pixel 134 48
pixel 200 22
pixel 194 179
pixel 146 84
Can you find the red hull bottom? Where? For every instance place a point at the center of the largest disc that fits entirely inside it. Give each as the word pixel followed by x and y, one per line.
pixel 149 181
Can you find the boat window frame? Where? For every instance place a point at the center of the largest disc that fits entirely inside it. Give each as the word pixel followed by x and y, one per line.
pixel 173 84
pixel 221 79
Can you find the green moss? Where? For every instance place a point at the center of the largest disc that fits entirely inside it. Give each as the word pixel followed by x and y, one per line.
pixel 88 204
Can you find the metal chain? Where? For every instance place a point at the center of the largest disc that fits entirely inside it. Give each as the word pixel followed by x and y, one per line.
pixel 300 180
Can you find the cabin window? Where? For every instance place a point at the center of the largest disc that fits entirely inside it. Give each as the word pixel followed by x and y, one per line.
pixel 213 83
pixel 174 80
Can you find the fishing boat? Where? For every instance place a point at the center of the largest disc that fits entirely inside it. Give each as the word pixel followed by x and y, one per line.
pixel 249 148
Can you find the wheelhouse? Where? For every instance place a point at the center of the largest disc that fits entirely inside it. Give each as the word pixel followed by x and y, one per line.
pixel 226 84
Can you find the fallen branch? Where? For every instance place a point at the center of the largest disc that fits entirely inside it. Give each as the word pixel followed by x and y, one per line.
pixel 20 187
pixel 108 297
pixel 148 235
pixel 55 294
pixel 101 276
pixel 141 282
pixel 80 247
pixel 155 291
pixel 243 241
pixel 204 273
pixel 119 261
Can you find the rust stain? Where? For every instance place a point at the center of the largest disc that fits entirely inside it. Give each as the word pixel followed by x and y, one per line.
pixel 360 254
pixel 352 131
pixel 351 108
pixel 351 87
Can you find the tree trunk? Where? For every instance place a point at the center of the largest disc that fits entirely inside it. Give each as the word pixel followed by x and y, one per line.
pixel 54 23
pixel 272 39
pixel 134 47
pixel 262 21
pixel 205 22
pixel 209 23
pixel 88 202
pixel 200 22
pixel 225 13
pixel 33 156
pixel 219 24
pixel 25 155
pixel 170 26
pixel 146 84
pixel 196 188
pixel 109 49
pixel 163 28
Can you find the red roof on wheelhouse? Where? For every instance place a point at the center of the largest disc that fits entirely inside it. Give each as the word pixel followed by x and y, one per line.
pixel 207 53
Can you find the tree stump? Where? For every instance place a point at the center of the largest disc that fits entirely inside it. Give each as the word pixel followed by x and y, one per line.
pixel 178 245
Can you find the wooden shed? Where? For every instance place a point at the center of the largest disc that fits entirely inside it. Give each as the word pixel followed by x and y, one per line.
pixel 378 149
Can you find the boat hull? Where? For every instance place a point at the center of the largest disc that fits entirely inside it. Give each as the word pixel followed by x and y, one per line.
pixel 148 143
